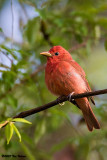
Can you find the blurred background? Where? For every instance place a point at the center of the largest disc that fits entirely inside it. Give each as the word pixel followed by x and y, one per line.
pixel 28 27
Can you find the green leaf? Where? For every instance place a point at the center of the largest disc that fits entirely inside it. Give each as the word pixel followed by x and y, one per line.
pixel 11 51
pixel 12 101
pixel 9 132
pixel 21 120
pixel 9 119
pixel 17 132
pixel 28 152
pixel 1 30
pixel 105 44
pixel 40 130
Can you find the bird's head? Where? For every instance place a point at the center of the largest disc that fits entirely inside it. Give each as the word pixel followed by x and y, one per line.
pixel 56 53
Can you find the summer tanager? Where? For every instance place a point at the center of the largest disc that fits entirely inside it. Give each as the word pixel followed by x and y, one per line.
pixel 64 76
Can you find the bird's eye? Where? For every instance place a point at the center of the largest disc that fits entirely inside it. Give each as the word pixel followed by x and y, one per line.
pixel 57 53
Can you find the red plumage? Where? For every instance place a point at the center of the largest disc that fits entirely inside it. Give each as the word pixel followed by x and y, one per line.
pixel 63 76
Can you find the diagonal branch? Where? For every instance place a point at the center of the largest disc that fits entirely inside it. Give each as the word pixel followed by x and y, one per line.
pixel 57 101
pixel 78 46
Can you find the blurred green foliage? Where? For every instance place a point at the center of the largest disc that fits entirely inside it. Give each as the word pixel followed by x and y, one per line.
pixel 22 85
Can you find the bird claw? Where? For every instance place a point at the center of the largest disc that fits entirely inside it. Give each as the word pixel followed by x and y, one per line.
pixel 62 104
pixel 70 96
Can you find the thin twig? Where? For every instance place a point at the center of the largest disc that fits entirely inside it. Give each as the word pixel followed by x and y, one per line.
pixel 55 102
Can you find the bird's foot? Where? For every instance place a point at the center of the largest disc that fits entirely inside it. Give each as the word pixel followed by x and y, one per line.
pixel 59 100
pixel 62 104
pixel 70 96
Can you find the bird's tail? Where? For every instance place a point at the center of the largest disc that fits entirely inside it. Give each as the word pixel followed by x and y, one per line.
pixel 89 116
pixel 91 120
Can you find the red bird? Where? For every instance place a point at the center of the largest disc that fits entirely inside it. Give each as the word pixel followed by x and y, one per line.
pixel 64 76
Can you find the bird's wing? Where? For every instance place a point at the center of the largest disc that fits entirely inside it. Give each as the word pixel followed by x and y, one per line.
pixel 89 89
pixel 83 75
pixel 77 68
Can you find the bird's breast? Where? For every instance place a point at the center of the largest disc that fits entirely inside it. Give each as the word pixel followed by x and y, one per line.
pixel 62 79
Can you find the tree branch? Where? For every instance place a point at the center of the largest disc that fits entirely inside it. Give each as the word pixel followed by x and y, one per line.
pixel 46 35
pixel 57 101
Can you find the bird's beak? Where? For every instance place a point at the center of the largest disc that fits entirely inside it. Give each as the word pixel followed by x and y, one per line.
pixel 47 54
